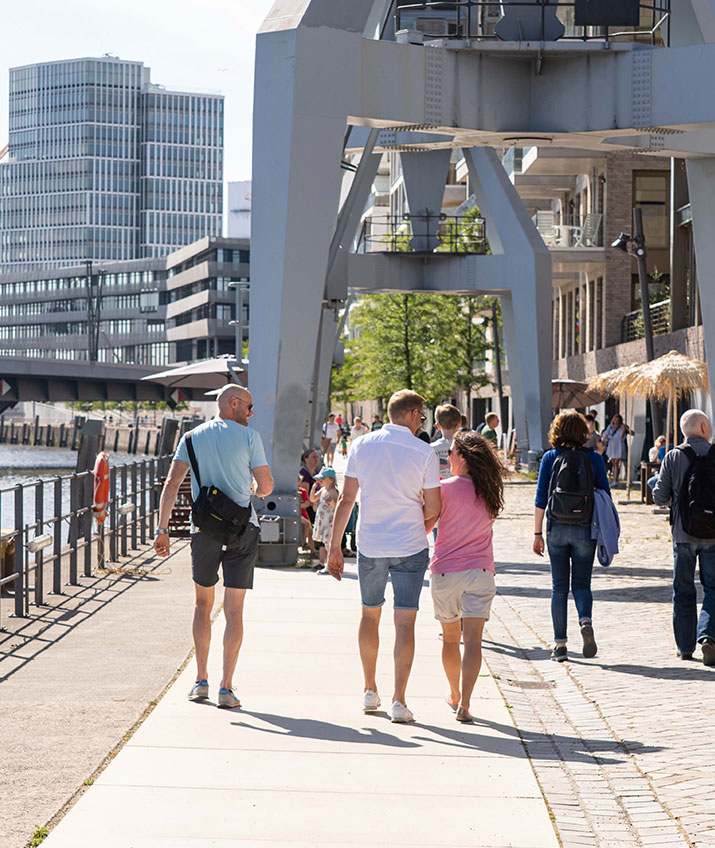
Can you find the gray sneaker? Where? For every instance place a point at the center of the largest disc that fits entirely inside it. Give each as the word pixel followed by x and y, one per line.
pixel 227 699
pixel 199 691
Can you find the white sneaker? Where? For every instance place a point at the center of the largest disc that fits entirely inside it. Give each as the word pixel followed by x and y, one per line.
pixel 401 714
pixel 370 701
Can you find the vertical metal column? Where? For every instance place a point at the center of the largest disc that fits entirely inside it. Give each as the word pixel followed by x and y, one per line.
pixel 57 564
pixel 74 529
pixel 135 514
pixel 39 521
pixel 85 488
pixel 124 517
pixel 142 499
pixel 20 599
pixel 113 514
pixel 152 496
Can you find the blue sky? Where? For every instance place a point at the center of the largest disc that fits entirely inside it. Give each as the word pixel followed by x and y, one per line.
pixel 188 44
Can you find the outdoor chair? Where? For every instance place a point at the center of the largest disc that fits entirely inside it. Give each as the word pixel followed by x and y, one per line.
pixel 588 234
pixel 547 228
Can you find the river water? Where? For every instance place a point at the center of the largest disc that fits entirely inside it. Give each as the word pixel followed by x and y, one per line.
pixel 26 464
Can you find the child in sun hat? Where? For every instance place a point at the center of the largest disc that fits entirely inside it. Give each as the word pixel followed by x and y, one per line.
pixel 325 497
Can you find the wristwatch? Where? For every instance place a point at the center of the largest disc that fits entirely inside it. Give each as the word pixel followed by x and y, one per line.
pixel 162 531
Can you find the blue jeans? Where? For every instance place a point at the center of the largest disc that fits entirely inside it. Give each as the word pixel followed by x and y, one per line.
pixel 687 627
pixel 407 574
pixel 571 551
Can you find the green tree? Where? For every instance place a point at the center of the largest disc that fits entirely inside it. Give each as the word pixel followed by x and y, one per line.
pixel 343 383
pixel 423 342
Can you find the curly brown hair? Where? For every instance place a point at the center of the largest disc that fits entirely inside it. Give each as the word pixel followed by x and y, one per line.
pixel 484 467
pixel 569 430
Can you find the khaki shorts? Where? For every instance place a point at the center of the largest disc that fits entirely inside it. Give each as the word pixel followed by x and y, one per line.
pixel 462 594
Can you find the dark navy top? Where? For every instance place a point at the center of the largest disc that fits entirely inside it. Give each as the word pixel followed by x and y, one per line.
pixel 547 464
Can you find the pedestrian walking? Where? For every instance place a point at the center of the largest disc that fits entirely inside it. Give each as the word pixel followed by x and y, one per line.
pixel 376 423
pixel 448 420
pixel 614 438
pixel 397 476
pixel 358 429
pixel 687 482
pixel 489 431
pixel 568 476
pixel 225 458
pixel 462 566
pixel 594 437
pixel 324 497
pixel 331 434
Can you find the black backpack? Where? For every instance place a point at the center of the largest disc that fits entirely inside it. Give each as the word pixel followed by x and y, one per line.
pixel 571 488
pixel 697 494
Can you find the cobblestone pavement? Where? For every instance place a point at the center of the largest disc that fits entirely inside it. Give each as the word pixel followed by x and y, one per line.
pixel 621 744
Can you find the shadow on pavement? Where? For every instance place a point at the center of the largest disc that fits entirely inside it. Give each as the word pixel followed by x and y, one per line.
pixel 693 670
pixel 568 748
pixel 309 728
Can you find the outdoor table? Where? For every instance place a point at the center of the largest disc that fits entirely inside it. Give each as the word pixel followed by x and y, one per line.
pixel 648 469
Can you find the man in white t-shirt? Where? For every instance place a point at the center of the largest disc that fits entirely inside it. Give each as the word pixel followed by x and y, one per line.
pixel 331 436
pixel 358 429
pixel 398 479
pixel 448 419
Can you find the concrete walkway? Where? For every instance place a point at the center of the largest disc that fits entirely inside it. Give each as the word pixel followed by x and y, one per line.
pixel 300 764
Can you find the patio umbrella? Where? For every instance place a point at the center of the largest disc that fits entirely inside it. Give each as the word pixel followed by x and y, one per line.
pixel 669 377
pixel 571 394
pixel 204 374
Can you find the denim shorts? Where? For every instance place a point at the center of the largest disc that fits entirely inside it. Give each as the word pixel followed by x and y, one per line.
pixel 407 575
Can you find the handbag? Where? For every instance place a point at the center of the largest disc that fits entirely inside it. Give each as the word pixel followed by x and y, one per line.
pixel 213 512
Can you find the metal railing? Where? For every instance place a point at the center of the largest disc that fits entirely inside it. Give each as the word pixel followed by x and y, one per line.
pixel 632 324
pixel 422 232
pixel 54 516
pixel 477 19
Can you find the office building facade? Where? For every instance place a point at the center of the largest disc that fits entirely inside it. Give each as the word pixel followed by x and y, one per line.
pixel 103 165
pixel 150 312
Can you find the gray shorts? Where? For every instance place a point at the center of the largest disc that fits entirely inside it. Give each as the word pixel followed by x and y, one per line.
pixel 237 560
pixel 462 594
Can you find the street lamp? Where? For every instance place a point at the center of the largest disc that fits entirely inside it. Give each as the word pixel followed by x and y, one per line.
pixel 624 242
pixel 238 323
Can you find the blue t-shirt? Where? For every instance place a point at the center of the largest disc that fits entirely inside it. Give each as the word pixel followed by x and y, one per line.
pixel 661 453
pixel 546 467
pixel 226 451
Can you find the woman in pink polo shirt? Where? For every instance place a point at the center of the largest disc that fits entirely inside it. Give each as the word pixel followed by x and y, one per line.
pixel 463 561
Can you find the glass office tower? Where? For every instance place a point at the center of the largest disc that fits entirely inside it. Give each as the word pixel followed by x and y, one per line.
pixel 103 165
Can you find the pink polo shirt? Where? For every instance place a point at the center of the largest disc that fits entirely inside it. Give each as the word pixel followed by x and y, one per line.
pixel 464 532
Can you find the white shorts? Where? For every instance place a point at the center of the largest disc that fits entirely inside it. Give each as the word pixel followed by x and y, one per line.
pixel 462 594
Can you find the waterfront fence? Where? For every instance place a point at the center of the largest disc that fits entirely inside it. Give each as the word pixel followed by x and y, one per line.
pixel 54 525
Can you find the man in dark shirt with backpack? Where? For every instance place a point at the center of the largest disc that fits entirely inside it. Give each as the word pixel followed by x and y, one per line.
pixel 687 482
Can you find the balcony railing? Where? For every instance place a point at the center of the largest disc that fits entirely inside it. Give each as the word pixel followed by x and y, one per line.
pixel 422 233
pixel 531 20
pixel 632 324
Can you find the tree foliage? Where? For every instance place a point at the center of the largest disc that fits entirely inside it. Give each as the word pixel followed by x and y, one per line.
pixel 425 342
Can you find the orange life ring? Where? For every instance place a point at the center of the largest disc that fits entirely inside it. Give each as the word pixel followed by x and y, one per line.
pixel 100 502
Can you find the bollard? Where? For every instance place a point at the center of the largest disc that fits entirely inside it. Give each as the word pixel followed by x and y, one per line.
pixel 134 500
pixel 124 500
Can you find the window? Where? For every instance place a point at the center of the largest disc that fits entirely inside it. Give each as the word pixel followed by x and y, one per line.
pixel 650 194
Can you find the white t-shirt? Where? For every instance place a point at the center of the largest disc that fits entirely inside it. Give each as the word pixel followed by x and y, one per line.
pixel 356 432
pixel 332 432
pixel 441 448
pixel 392 468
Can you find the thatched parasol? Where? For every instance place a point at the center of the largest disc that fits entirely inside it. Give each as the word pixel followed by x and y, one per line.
pixel 616 382
pixel 669 378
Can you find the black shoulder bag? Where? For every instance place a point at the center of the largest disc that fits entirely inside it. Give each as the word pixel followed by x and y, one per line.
pixel 213 512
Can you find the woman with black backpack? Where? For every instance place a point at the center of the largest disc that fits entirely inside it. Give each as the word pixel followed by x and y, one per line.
pixel 568 476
